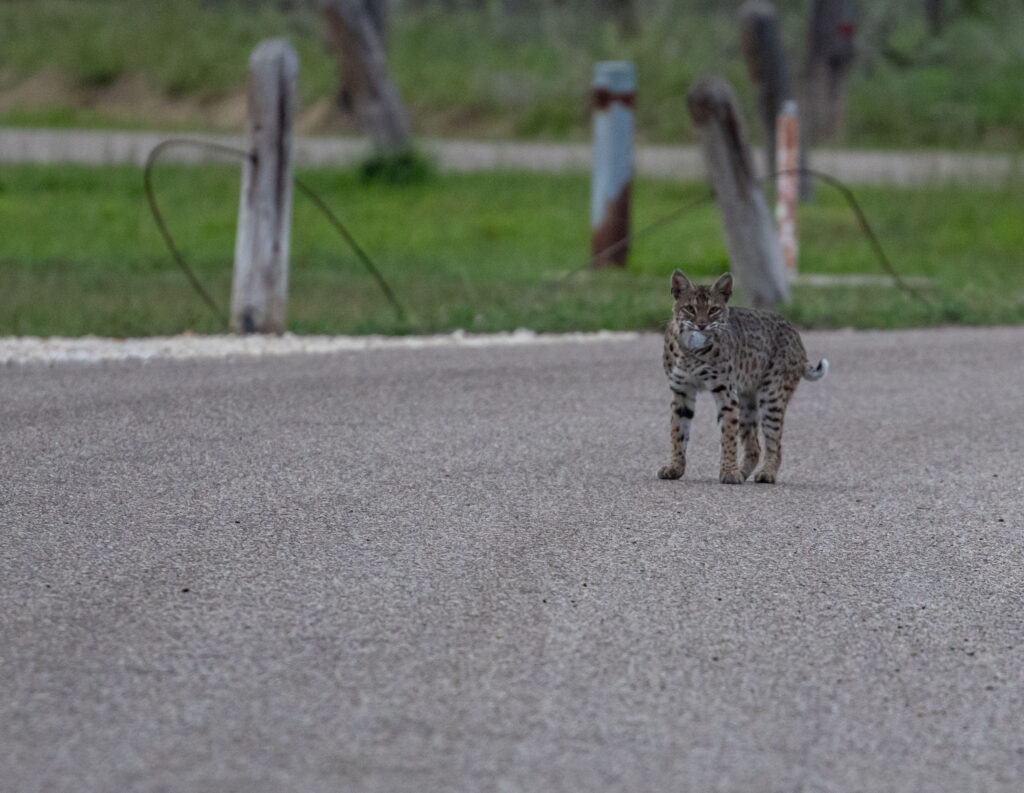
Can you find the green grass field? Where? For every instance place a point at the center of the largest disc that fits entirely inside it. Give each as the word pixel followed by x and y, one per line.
pixel 486 73
pixel 80 254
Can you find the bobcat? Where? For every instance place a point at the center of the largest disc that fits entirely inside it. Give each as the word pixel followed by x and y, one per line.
pixel 751 362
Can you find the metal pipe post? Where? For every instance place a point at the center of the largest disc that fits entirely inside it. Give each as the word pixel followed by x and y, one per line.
pixel 612 181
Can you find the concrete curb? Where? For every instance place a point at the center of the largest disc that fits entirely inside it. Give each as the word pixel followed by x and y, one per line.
pixel 93 349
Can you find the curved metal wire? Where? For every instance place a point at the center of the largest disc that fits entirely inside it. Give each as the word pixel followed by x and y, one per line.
pixel 876 246
pixel 845 191
pixel 147 181
pixel 234 151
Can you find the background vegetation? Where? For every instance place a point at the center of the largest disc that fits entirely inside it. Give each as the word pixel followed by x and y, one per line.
pixel 517 68
pixel 80 254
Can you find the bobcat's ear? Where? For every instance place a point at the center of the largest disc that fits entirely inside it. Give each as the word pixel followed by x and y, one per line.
pixel 680 283
pixel 723 285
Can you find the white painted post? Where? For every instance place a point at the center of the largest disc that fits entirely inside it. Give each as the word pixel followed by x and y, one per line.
pixel 612 180
pixel 259 295
pixel 788 185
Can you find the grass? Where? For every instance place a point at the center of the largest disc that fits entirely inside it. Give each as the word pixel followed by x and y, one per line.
pixel 79 254
pixel 486 73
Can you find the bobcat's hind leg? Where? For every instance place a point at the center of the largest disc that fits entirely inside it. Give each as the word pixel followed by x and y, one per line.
pixel 748 434
pixel 772 408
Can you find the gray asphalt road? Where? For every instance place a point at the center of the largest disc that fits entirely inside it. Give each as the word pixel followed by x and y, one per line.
pixel 455 569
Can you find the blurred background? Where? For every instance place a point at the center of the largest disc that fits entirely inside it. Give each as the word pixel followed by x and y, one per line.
pixel 493 250
pixel 505 68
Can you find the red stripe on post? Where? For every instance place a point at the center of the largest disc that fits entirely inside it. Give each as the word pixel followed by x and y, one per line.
pixel 603 98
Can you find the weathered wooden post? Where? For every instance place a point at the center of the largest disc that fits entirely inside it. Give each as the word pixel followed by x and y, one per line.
pixel 259 295
pixel 612 176
pixel 787 185
pixel 766 64
pixel 750 238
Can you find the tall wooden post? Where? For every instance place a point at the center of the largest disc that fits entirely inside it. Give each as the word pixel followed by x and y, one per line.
pixel 766 64
pixel 750 237
pixel 787 185
pixel 259 295
pixel 612 179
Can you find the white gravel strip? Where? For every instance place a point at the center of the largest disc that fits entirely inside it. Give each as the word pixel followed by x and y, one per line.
pixel 91 349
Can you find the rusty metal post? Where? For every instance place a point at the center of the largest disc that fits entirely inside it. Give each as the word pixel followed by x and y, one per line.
pixel 612 180
pixel 787 185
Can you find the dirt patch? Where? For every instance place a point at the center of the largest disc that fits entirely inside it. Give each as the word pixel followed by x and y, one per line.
pixel 325 117
pixel 131 101
pixel 128 100
pixel 44 89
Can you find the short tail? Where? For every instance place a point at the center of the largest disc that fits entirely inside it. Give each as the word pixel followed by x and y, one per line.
pixel 816 372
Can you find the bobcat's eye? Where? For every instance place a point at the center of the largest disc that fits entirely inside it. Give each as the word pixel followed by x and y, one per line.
pixel 714 312
pixel 689 311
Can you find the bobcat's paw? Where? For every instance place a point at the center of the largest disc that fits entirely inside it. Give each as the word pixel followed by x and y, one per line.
pixel 730 478
pixel 765 478
pixel 673 471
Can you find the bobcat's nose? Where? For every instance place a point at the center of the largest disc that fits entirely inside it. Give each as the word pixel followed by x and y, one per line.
pixel 701 325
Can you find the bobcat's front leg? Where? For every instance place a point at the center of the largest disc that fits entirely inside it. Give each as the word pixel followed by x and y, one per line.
pixel 682 415
pixel 728 423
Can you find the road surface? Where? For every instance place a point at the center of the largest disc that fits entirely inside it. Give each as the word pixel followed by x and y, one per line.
pixel 455 569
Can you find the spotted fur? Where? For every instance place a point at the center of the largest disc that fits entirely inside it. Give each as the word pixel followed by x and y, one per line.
pixel 751 362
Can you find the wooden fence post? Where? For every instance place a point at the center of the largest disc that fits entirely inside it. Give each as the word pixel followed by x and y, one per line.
pixel 750 238
pixel 259 295
pixel 612 178
pixel 766 64
pixel 787 185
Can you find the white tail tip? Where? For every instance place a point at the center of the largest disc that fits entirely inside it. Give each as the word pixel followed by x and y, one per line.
pixel 817 372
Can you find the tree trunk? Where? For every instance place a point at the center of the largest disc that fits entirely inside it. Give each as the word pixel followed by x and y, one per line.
pixel 754 254
pixel 366 86
pixel 934 12
pixel 624 13
pixel 379 12
pixel 766 64
pixel 831 26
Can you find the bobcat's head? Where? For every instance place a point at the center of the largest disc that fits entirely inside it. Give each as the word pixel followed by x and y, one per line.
pixel 700 308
